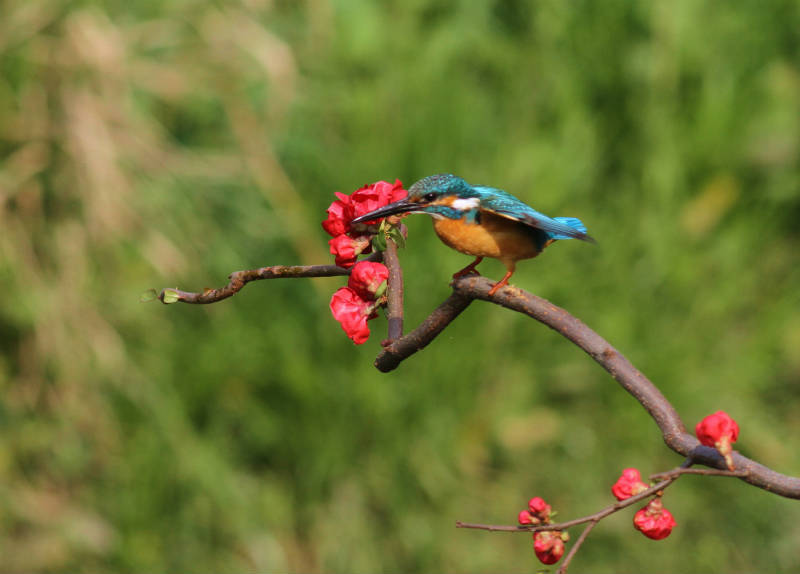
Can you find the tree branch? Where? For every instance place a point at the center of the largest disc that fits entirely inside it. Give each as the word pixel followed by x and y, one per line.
pixel 701 471
pixel 397 351
pixel 471 287
pixel 468 288
pixel 633 381
pixel 239 279
pixel 394 291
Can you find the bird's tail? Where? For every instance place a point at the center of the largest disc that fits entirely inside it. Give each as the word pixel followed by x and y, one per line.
pixel 575 224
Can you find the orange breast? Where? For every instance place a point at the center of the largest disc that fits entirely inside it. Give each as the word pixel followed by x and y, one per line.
pixel 497 237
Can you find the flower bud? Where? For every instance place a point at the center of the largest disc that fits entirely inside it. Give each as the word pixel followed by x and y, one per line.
pixel 654 521
pixel 720 431
pixel 539 508
pixel 366 278
pixel 629 484
pixel 347 248
pixel 548 546
pixel 524 517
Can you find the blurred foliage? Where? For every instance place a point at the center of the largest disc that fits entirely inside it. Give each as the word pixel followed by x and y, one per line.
pixel 154 144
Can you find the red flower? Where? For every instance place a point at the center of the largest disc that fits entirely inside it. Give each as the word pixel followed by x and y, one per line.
pixel 372 197
pixel 353 306
pixel 548 545
pixel 654 521
pixel 346 248
pixel 717 427
pixel 629 484
pixel 720 431
pixel 368 198
pixel 539 508
pixel 340 213
pixel 352 312
pixel 538 512
pixel 367 277
pixel 525 517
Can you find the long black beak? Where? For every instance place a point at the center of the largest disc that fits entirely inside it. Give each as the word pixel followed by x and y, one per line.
pixel 402 206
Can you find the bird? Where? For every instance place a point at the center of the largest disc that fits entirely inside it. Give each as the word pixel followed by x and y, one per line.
pixel 482 222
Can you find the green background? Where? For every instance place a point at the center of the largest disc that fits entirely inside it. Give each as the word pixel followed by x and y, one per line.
pixel 152 144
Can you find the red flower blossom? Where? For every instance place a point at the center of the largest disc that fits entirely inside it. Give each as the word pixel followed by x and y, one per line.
pixel 629 484
pixel 717 427
pixel 340 213
pixel 352 312
pixel 548 545
pixel 372 197
pixel 347 248
pixel 367 277
pixel 539 508
pixel 368 198
pixel 525 517
pixel 654 521
pixel 354 305
pixel 720 431
pixel 538 512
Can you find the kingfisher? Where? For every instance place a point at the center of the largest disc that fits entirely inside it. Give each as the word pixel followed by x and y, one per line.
pixel 483 222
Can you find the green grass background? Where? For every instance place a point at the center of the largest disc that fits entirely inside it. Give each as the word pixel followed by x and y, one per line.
pixel 156 144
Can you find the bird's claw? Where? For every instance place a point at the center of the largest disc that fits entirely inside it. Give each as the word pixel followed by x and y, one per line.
pixel 466 271
pixel 469 269
pixel 497 286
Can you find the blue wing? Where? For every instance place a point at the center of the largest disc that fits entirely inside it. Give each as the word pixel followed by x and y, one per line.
pixel 506 205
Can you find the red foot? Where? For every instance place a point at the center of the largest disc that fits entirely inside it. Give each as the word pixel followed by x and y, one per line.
pixel 502 283
pixel 469 269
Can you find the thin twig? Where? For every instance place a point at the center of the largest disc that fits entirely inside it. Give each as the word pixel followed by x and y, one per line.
pixel 574 550
pixel 596 517
pixel 592 519
pixel 239 279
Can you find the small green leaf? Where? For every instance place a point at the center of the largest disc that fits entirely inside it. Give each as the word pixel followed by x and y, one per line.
pixel 147 296
pixel 397 236
pixel 379 242
pixel 381 290
pixel 170 296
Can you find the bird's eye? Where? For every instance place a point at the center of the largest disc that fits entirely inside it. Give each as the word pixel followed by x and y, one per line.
pixel 429 196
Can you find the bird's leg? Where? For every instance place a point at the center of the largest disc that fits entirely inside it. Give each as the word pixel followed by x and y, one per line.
pixel 469 269
pixel 502 283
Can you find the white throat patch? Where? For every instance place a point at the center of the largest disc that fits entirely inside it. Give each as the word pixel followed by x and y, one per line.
pixel 465 204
